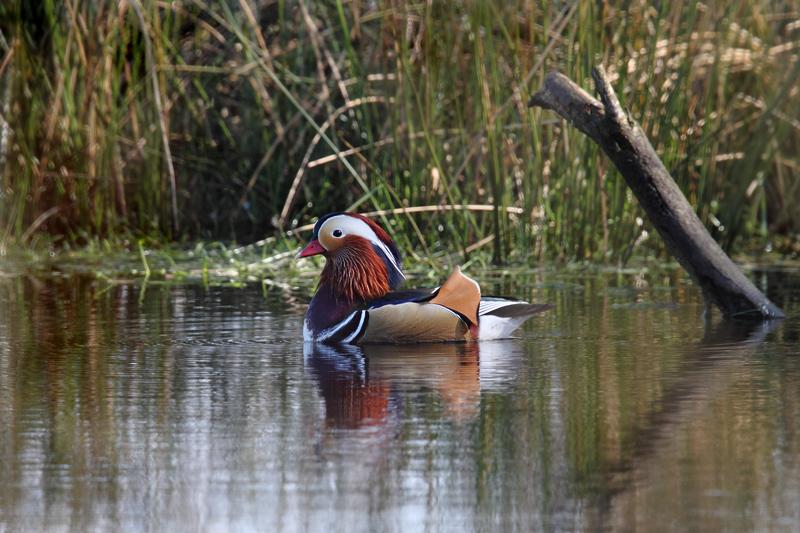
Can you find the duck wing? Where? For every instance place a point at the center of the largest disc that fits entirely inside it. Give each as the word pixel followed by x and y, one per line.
pixel 413 322
pixel 390 318
pixel 445 313
pixel 461 294
pixel 399 297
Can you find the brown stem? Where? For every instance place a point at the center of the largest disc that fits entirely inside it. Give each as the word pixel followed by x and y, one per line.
pixel 162 117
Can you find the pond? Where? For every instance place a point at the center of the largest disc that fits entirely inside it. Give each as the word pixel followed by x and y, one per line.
pixel 183 407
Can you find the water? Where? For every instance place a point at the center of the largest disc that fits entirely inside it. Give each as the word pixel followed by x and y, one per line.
pixel 171 408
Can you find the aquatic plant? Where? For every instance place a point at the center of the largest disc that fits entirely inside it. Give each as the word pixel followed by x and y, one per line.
pixel 195 120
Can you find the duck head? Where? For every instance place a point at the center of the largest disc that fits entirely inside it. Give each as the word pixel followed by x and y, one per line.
pixel 362 262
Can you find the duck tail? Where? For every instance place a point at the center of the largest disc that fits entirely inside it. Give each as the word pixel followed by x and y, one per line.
pixel 499 317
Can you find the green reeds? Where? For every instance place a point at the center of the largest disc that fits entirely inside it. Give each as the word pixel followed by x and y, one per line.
pixel 272 113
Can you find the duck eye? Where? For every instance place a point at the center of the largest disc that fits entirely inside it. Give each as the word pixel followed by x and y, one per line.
pixel 337 233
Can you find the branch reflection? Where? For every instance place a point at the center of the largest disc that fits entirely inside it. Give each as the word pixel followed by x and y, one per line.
pixel 706 373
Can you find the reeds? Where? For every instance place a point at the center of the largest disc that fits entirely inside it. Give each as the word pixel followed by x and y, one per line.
pixel 277 112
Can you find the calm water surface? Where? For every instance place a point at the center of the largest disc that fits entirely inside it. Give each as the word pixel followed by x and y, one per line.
pixel 183 408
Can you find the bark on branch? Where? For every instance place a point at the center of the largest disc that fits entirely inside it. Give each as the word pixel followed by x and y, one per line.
pixel 621 138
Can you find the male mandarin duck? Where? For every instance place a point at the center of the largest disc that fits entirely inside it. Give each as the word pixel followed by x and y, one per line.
pixel 357 300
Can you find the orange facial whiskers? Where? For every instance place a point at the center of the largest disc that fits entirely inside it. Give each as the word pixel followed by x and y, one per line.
pixel 355 272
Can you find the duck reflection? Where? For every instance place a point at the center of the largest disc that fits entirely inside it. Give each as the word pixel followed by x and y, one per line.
pixel 351 398
pixel 362 386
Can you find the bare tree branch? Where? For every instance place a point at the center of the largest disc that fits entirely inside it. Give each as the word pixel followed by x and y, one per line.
pixel 621 138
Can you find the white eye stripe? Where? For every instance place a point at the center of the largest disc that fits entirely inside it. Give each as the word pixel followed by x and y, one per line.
pixel 392 260
pixel 353 226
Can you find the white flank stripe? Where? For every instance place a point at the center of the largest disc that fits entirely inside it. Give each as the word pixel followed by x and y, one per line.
pixel 330 332
pixel 355 333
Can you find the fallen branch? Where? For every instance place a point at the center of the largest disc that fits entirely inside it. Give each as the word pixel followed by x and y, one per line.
pixel 621 138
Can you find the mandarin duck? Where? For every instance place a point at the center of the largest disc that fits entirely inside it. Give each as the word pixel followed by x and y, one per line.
pixel 357 300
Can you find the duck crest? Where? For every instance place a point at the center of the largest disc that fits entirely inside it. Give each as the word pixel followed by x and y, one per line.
pixel 379 232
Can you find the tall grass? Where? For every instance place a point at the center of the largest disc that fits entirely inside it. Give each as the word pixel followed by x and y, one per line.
pixel 274 112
